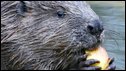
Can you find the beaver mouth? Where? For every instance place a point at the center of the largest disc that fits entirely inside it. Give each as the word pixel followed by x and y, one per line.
pixel 96 45
pixel 82 49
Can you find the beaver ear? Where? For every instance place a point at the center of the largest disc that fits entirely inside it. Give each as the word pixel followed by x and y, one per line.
pixel 21 8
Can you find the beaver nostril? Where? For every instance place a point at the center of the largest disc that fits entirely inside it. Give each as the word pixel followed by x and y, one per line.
pixel 90 28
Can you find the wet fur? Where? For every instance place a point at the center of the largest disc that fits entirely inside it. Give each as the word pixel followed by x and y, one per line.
pixel 38 39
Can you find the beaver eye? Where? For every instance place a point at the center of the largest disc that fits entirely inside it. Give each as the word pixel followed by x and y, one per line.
pixel 60 14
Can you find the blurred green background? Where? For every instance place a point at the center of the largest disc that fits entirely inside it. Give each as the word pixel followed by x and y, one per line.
pixel 112 14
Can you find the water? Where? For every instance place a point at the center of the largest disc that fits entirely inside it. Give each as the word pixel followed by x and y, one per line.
pixel 112 14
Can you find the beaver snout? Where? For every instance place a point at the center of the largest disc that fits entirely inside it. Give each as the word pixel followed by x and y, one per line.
pixel 95 27
pixel 87 34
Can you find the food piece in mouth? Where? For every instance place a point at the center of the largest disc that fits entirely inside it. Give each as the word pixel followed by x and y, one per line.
pixel 100 54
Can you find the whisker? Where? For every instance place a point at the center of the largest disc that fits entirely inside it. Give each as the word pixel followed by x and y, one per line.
pixel 113 39
pixel 115 33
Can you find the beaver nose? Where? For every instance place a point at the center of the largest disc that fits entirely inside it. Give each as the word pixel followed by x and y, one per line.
pixel 95 27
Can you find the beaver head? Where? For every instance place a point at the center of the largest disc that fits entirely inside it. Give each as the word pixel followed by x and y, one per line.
pixel 47 34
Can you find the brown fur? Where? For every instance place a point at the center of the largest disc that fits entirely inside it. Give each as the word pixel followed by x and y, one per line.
pixel 41 40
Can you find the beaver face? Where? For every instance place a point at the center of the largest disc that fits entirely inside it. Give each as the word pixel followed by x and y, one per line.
pixel 37 30
pixel 67 24
pixel 55 24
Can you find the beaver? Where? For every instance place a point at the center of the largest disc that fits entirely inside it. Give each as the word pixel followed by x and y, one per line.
pixel 48 35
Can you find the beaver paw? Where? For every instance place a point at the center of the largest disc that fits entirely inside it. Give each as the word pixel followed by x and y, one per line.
pixel 84 64
pixel 111 65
